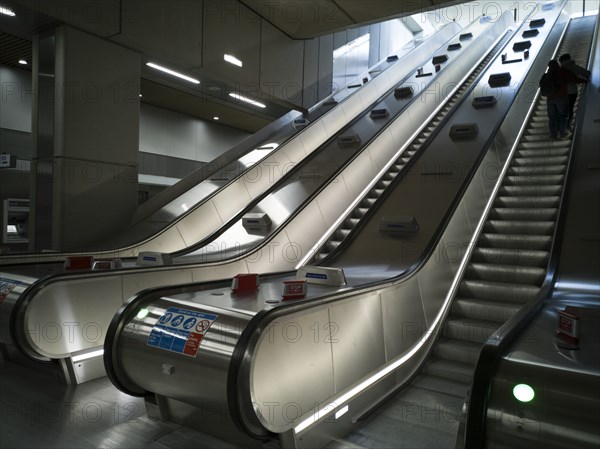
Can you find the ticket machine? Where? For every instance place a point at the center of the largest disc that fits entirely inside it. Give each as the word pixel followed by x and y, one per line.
pixel 15 221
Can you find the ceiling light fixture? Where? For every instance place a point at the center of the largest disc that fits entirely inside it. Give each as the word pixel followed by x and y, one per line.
pixel 247 100
pixel 7 11
pixel 172 72
pixel 215 118
pixel 232 60
pixel 22 62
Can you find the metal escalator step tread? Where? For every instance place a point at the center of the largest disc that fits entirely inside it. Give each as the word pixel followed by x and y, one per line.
pixel 523 214
pixel 441 385
pixel 487 310
pixel 530 190
pixel 523 201
pixel 449 369
pixel 519 227
pixel 457 350
pixel 506 256
pixel 505 273
pixel 466 329
pixel 535 170
pixel 497 291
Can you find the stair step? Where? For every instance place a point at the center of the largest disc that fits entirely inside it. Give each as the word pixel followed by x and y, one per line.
pixel 543 152
pixel 449 369
pixel 441 385
pixel 505 273
pixel 530 190
pixel 536 170
pixel 457 350
pixel 478 309
pixel 534 180
pixel 527 201
pixel 505 256
pixel 526 214
pixel 519 227
pixel 522 161
pixel 475 331
pixel 515 241
pixel 497 291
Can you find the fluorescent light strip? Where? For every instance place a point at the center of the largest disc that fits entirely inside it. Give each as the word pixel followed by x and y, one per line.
pixel 172 72
pixel 7 12
pixel 247 100
pixel 232 60
pixel 87 356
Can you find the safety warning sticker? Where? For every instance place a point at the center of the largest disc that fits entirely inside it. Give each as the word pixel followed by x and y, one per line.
pixel 180 330
pixel 6 286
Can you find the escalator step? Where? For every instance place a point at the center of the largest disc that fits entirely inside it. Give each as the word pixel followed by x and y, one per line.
pixel 503 256
pixel 505 273
pixel 537 161
pixel 542 152
pixel 474 331
pixel 441 385
pixel 541 169
pixel 477 309
pixel 519 227
pixel 497 291
pixel 457 350
pixel 342 233
pixel 534 180
pixel 448 369
pixel 525 214
pixel 530 190
pixel 527 201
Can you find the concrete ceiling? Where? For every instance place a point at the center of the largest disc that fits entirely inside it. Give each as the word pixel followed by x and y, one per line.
pixel 311 18
pixel 304 19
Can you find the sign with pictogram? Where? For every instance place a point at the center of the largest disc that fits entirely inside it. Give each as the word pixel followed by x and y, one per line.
pixel 6 286
pixel 180 330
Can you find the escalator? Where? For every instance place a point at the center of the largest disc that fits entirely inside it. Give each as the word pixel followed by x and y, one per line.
pixel 351 342
pixel 507 268
pixel 197 209
pixel 41 293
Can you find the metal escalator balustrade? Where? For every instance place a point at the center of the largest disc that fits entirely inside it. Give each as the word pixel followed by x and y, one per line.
pixel 198 218
pixel 400 166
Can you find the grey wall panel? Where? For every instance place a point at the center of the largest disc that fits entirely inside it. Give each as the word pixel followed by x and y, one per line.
pixel 311 73
pixel 16 142
pixel 167 133
pixel 325 65
pixel 225 23
pixel 166 31
pixel 170 167
pixel 374 40
pixel 281 62
pixel 16 101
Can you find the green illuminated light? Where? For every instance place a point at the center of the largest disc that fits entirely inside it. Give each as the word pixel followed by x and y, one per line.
pixel 523 393
pixel 143 313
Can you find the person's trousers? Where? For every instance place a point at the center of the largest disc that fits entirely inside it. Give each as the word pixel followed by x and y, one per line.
pixel 558 113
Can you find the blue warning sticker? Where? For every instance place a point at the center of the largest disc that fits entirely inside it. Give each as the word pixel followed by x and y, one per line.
pixel 180 330
pixel 7 286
